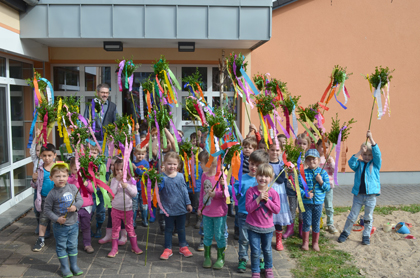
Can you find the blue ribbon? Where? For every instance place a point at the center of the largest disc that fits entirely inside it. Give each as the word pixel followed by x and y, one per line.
pixel 342 105
pixel 189 88
pixel 240 173
pixel 93 114
pixel 305 186
pixel 31 132
pixel 51 88
pixel 249 81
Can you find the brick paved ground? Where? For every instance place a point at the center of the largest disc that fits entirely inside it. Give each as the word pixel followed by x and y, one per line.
pixel 17 259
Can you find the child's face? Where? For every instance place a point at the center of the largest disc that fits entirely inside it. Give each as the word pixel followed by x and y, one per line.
pixel 142 138
pixel 171 166
pixel 367 156
pixel 204 167
pixel 263 181
pixel 94 153
pixel 274 152
pixel 262 145
pixel 60 178
pixel 73 170
pixel 118 170
pixel 303 144
pixel 253 168
pixel 38 150
pixel 154 137
pixel 248 150
pixel 320 149
pixel 139 156
pixel 282 142
pixel 312 162
pixel 111 166
pixel 48 157
pixel 194 141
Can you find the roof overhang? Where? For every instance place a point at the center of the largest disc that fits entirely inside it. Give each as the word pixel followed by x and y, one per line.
pixel 243 24
pixel 280 3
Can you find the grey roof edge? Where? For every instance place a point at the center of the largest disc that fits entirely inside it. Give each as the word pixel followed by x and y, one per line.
pixel 281 3
pixel 258 44
pixel 259 3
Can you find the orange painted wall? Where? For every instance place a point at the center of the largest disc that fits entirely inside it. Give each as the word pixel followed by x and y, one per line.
pixel 309 37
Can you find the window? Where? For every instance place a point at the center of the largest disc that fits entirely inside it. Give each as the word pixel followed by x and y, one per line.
pixel 5 192
pixel 2 67
pixel 20 70
pixel 66 79
pixel 4 123
pixel 22 180
pixel 95 76
pixel 227 84
pixel 186 71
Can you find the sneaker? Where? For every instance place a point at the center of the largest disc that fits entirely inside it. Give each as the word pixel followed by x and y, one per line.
pixel 201 245
pixel 343 237
pixel 166 254
pixel 332 229
pixel 185 251
pixel 89 249
pixel 366 240
pixel 38 245
pixel 242 266
pixel 262 266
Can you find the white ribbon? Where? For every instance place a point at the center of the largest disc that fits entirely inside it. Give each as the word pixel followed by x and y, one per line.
pixel 377 95
pixel 141 103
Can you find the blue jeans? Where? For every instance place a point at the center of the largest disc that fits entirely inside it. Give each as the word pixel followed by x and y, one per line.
pixel 169 228
pixel 35 211
pixel 66 239
pixel 312 216
pixel 99 209
pixel 329 209
pixel 236 216
pixel 369 201
pixel 260 243
pixel 243 237
pixel 214 226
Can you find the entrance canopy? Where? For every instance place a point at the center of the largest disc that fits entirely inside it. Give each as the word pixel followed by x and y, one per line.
pixel 243 24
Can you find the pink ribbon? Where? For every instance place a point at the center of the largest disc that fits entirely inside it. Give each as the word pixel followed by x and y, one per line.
pixel 158 200
pixel 386 95
pixel 337 156
pixel 110 152
pixel 121 65
pixel 178 138
pixel 318 117
pixel 149 196
pixel 127 151
pixel 277 117
pixel 130 83
pixel 158 131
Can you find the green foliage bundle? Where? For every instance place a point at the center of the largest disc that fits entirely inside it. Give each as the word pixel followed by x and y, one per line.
pixel 85 159
pixel 259 81
pixel 42 85
pixel 148 85
pixel 73 105
pixel 230 153
pixel 293 152
pixel 272 87
pixel 308 113
pixel 193 80
pixel 159 66
pixel 382 75
pixel 153 175
pixel 218 122
pixel 239 61
pixel 289 102
pixel 186 147
pixel 336 127
pixel 189 104
pixel 266 103
pixel 50 109
pixel 119 130
pixel 340 75
pixel 79 135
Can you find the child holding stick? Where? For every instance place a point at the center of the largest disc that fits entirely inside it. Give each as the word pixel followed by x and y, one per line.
pixel 261 204
pixel 122 209
pixel 61 206
pixel 366 187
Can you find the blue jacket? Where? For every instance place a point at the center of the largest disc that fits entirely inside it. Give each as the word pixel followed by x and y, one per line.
pixel 372 179
pixel 247 182
pixel 174 195
pixel 139 172
pixel 319 191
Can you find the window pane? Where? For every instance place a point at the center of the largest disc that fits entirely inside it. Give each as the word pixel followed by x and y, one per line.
pixel 66 79
pixel 4 146
pixel 21 113
pixel 138 78
pixel 20 70
pixel 2 67
pixel 5 193
pixel 227 84
pixel 186 71
pixel 228 105
pixel 185 114
pixel 95 76
pixel 22 179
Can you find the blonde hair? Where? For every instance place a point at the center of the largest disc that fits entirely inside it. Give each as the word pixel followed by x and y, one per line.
pixel 170 155
pixel 303 136
pixel 369 146
pixel 118 161
pixel 250 142
pixel 59 168
pixel 139 149
pixel 265 170
pixel 94 148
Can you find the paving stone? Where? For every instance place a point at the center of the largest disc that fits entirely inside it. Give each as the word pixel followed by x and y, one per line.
pixel 13 270
pixel 42 270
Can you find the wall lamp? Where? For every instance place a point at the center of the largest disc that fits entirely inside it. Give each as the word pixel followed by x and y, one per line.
pixel 186 46
pixel 113 46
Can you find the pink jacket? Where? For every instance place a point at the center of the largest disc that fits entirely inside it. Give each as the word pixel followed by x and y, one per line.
pixel 261 215
pixel 87 201
pixel 118 201
pixel 216 206
pixel 329 168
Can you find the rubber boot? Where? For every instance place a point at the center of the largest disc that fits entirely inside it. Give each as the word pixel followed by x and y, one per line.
pixel 114 249
pixel 98 233
pixel 144 218
pixel 153 218
pixel 305 237
pixel 134 246
pixel 290 230
pixel 279 244
pixel 73 265
pixel 123 238
pixel 207 257
pixel 198 221
pixel 300 228
pixel 65 269
pixel 315 238
pixel 107 238
pixel 220 262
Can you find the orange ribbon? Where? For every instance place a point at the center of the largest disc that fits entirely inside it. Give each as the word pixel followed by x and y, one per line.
pixel 149 102
pixel 236 165
pixel 212 148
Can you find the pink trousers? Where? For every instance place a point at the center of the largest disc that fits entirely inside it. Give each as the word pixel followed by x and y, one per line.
pixel 117 216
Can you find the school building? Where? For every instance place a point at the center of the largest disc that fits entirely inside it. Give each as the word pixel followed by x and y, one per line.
pixel 75 45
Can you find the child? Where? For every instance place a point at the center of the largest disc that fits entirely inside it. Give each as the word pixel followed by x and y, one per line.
pixel 61 206
pixel 248 180
pixel 141 165
pixel 261 204
pixel 194 195
pixel 284 217
pixel 85 212
pixel 318 184
pixel 214 209
pixel 329 167
pixel 174 197
pixel 203 157
pixel 41 180
pixel 303 141
pixel 262 145
pixel 122 207
pixel 249 145
pixel 366 187
pixel 282 140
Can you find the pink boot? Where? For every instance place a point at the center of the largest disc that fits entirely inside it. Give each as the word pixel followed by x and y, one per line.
pixel 114 250
pixel 134 246
pixel 289 231
pixel 123 238
pixel 107 238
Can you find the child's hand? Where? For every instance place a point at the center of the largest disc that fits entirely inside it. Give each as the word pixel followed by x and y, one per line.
pixel 86 183
pixel 363 148
pixel 35 176
pixel 199 135
pixel 37 132
pixel 124 185
pixel 189 208
pixel 264 196
pixel 318 178
pixel 61 220
pixel 212 194
pixel 330 160
pixel 369 135
pixel 72 208
pixel 199 212
pixel 252 127
pixel 311 194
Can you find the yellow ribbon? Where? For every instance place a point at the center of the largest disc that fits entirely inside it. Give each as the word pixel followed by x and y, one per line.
pixel 67 140
pixel 229 176
pixel 104 143
pixel 171 93
pixel 299 197
pixel 185 168
pixel 307 130
pixel 59 123
pixel 264 129
pixel 311 124
pixel 196 164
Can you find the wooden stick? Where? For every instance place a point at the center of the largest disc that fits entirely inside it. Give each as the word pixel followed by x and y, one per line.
pixel 371 113
pixel 272 183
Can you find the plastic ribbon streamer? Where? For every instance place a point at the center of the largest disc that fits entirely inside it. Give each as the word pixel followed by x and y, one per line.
pixel 307 130
pixel 245 90
pixel 111 153
pixel 196 164
pixel 249 81
pixel 83 120
pixel 98 182
pixel 295 124
pixel 149 196
pixel 387 99
pixel 377 95
pixel 174 79
pixel 121 67
pixel 191 165
pixel 335 95
pixel 93 113
pixel 44 130
pixel 171 96
pixel 158 200
pixel 60 106
pixel 31 132
pixel 319 117
pixel 264 129
pixel 240 173
pixel 287 117
pixel 337 156
pixel 158 131
pixel 299 196
pixel 50 90
pixel 36 89
pixel 212 147
pixel 230 179
pixel 278 119
pixel 305 186
pixel 327 89
pixel 173 87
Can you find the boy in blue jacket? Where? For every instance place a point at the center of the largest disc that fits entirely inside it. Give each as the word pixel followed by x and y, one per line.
pixel 366 187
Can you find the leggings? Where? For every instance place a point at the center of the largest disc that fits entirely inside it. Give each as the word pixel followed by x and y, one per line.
pixel 293 204
pixel 109 224
pixel 278 227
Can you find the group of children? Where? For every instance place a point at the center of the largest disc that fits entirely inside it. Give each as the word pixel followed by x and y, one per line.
pixel 266 200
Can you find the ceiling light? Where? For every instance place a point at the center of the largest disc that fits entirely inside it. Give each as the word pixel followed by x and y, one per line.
pixel 186 46
pixel 113 46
